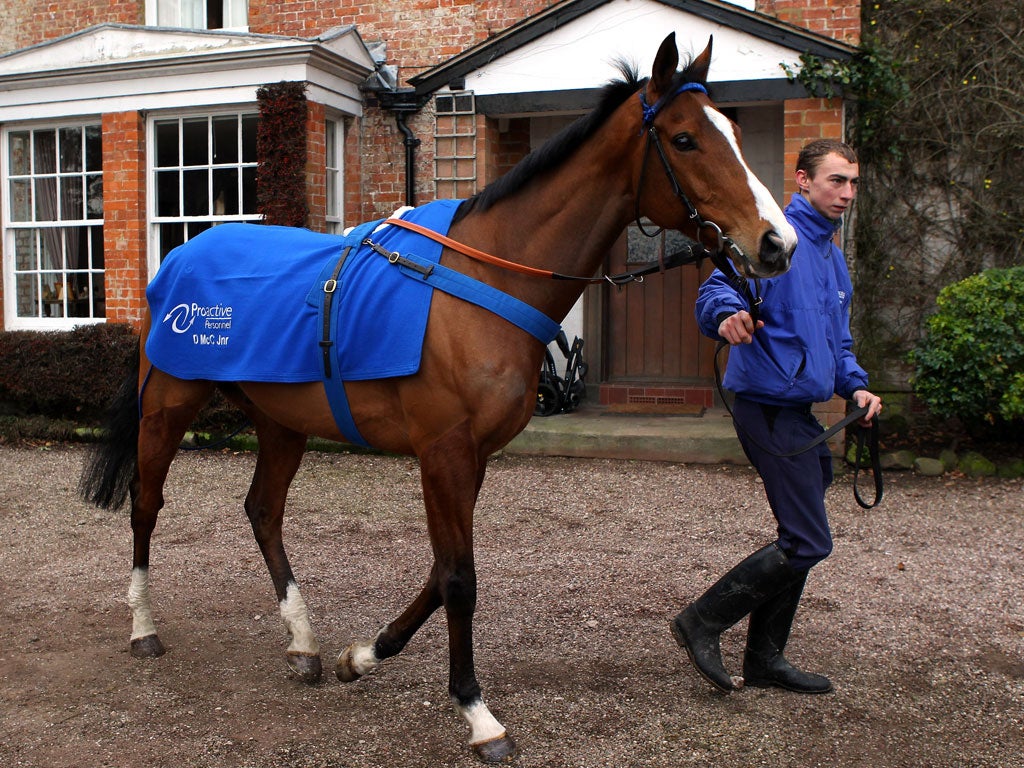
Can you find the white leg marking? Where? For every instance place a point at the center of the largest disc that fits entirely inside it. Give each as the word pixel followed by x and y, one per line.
pixel 296 621
pixel 138 601
pixel 767 208
pixel 482 724
pixel 364 659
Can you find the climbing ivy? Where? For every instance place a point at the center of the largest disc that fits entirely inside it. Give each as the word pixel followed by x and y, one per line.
pixel 281 153
pixel 938 122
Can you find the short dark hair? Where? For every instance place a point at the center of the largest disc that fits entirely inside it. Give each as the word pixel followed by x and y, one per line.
pixel 814 152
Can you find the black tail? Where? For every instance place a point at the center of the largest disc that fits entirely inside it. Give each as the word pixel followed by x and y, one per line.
pixel 110 466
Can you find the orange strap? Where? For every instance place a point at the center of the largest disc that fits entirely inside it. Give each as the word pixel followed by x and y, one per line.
pixel 467 250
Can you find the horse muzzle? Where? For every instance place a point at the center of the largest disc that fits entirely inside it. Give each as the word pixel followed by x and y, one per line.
pixel 773 254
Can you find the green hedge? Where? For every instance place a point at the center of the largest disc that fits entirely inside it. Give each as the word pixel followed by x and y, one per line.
pixel 970 362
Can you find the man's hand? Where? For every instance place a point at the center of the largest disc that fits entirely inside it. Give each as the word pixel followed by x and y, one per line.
pixel 739 328
pixel 873 402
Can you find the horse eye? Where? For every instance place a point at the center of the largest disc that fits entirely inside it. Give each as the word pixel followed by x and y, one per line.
pixel 684 142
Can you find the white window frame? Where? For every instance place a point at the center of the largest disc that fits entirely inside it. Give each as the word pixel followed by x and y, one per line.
pixel 191 14
pixel 211 217
pixel 334 174
pixel 455 159
pixel 59 300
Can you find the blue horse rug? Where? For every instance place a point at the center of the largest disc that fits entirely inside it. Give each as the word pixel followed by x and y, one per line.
pixel 249 302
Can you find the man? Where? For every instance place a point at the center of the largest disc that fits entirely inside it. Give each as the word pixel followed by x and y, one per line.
pixel 799 353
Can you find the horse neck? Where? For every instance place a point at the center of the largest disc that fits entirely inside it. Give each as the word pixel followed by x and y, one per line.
pixel 568 221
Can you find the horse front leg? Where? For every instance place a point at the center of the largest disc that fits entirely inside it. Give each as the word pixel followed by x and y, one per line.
pixel 362 657
pixel 452 473
pixel 280 454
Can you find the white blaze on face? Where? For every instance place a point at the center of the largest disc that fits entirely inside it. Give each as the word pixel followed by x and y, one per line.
pixel 767 208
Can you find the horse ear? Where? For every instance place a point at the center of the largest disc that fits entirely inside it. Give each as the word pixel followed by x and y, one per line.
pixel 698 69
pixel 665 64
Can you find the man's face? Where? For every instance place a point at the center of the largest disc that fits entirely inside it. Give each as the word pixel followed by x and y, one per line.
pixel 833 187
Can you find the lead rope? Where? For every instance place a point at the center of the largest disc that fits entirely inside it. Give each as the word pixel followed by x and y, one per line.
pixel 864 435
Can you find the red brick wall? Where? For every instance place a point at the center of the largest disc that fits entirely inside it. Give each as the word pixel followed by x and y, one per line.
pixel 124 216
pixel 806 120
pixel 835 18
pixel 419 33
pixel 316 175
pixel 39 20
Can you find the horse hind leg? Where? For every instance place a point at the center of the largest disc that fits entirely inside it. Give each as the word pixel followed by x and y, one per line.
pixel 168 407
pixel 280 453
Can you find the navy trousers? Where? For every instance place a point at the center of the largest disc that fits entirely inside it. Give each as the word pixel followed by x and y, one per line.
pixel 796 485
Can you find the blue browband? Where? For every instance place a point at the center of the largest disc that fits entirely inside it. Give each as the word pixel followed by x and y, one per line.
pixel 651 111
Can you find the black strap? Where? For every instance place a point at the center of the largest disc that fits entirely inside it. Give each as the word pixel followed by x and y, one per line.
pixel 864 434
pixel 329 288
pixel 869 434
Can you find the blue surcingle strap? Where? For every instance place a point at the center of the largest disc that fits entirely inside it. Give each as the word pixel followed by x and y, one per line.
pixel 650 111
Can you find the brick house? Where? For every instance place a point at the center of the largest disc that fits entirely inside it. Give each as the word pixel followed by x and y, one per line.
pixel 128 126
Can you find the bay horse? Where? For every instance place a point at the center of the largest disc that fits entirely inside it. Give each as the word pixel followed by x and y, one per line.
pixel 655 148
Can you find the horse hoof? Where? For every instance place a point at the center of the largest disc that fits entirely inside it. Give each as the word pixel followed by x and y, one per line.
pixel 148 647
pixel 499 750
pixel 344 669
pixel 306 667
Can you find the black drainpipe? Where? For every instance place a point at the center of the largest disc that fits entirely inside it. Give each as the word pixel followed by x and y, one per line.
pixel 404 102
pixel 411 142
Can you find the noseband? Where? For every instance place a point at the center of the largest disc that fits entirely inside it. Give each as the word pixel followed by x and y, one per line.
pixel 722 242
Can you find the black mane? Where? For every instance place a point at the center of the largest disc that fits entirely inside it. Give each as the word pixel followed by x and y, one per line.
pixel 560 146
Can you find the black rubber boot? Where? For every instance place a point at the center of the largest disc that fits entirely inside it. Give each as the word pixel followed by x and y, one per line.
pixel 697 629
pixel 764 666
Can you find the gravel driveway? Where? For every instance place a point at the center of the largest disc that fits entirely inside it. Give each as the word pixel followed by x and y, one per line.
pixel 917 617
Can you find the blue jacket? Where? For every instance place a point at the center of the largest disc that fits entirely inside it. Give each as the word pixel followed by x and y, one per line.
pixel 803 354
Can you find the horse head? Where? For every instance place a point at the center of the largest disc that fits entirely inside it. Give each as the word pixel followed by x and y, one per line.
pixel 694 178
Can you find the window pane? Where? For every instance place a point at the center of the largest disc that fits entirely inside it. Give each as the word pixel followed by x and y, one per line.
pixel 167 193
pixel 93 148
pixel 28 296
pixel 18 142
pixel 196 193
pixel 46 199
pixel 70 150
pixel 236 13
pixel 26 255
pixel 167 143
pixel 225 139
pixel 45 157
pixel 197 227
pixel 330 135
pixel 52 258
pixel 249 125
pixel 21 200
pixel 171 236
pixel 94 196
pixel 71 198
pixel 225 192
pixel 332 197
pixel 96 256
pixel 194 147
pixel 249 202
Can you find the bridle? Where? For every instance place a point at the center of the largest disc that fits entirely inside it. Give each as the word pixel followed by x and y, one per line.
pixel 722 242
pixel 689 254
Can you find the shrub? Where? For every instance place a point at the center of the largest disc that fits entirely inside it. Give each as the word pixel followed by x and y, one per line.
pixel 64 374
pixel 74 376
pixel 970 362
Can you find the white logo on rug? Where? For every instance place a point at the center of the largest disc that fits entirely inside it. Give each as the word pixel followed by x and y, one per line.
pixel 210 317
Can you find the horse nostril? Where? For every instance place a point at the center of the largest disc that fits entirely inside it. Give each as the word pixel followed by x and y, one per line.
pixel 774 253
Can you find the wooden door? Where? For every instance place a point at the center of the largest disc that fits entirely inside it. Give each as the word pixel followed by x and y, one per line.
pixel 650 339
